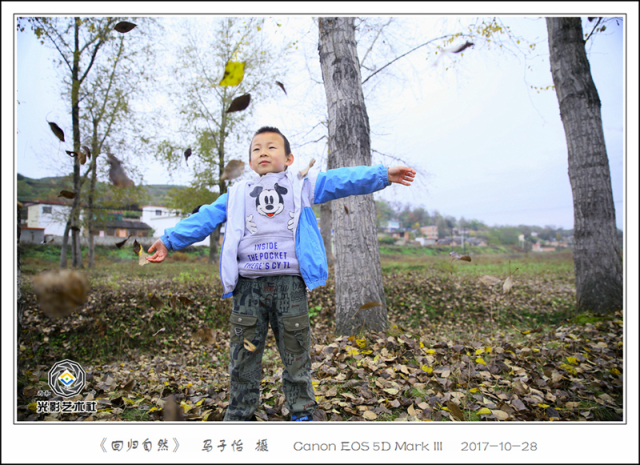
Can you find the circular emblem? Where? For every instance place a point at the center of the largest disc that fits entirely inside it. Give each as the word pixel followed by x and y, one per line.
pixel 67 378
pixel 238 331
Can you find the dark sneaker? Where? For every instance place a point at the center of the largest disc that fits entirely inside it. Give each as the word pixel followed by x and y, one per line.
pixel 302 418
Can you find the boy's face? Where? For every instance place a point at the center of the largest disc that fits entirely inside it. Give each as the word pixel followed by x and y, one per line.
pixel 267 154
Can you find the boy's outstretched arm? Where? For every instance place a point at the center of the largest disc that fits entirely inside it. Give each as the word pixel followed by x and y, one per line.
pixel 401 175
pixel 358 180
pixel 161 252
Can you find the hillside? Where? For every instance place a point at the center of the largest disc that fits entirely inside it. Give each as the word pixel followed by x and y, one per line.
pixel 44 189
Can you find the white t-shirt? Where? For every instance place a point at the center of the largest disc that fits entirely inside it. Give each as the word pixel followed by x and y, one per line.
pixel 267 247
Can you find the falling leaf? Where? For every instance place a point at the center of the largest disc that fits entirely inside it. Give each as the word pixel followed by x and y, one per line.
pixel 346 209
pixel 187 154
pixel 248 345
pixel 460 48
pixel 239 103
pixel 369 305
pixel 86 151
pixel 282 87
pixel 67 194
pixel 233 74
pixel 233 170
pixel 117 175
pixel 156 302
pixel 82 157
pixel 121 243
pixel 304 172
pixel 369 415
pixel 123 27
pixel 71 153
pixel 508 284
pixel 489 280
pixel 60 292
pixel 142 255
pixel 457 256
pixel 57 131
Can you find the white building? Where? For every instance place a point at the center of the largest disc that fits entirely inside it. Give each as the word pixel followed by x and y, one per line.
pixel 51 215
pixel 161 218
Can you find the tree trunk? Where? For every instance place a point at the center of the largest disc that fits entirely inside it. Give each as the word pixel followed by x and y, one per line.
pixel 92 189
pixel 19 292
pixel 76 257
pixel 596 255
pixel 65 242
pixel 358 275
pixel 325 231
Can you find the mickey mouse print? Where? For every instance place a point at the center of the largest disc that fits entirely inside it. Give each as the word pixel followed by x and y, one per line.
pixel 267 246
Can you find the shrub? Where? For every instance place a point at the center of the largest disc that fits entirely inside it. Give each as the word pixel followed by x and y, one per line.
pixel 386 240
pixel 179 257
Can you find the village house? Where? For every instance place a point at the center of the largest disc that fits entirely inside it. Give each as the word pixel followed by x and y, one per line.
pixel 51 216
pixel 536 247
pixel 457 241
pixel 430 232
pixel 47 220
pixel 160 218
pixel 390 227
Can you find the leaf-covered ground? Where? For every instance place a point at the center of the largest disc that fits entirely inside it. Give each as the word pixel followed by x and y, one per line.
pixel 458 348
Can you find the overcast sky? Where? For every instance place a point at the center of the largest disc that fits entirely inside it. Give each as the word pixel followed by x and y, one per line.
pixel 486 145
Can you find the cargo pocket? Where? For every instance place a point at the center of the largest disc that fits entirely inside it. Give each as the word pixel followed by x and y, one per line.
pixel 242 326
pixel 296 333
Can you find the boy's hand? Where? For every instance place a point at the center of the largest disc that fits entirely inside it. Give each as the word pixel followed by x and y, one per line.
pixel 401 175
pixel 161 252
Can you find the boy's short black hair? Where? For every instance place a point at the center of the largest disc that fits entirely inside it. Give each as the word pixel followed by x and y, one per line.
pixel 287 147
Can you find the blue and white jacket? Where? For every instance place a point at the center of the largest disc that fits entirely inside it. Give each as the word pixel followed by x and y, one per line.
pixel 312 189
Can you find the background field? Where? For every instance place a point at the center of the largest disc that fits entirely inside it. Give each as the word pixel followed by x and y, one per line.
pixel 457 349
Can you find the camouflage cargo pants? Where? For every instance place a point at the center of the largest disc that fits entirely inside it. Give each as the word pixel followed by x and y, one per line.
pixel 279 301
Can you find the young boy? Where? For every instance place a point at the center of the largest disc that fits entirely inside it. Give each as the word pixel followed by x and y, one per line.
pixel 272 253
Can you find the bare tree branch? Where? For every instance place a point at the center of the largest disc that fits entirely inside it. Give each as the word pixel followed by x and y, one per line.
pixel 374 42
pixel 404 55
pixel 593 30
